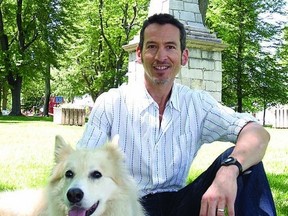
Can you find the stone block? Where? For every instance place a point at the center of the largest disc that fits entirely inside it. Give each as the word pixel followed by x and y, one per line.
pixel 208 55
pixel 198 18
pixel 195 63
pixel 208 65
pixel 177 5
pixel 212 86
pixel 191 7
pixel 192 74
pixel 195 53
pixel 212 76
pixel 197 84
pixel 186 15
pixel 218 65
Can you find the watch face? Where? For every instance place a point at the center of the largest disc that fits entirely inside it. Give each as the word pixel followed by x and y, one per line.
pixel 232 161
pixel 229 160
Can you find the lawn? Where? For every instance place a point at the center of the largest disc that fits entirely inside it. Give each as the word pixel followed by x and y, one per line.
pixel 26 154
pixel 27 144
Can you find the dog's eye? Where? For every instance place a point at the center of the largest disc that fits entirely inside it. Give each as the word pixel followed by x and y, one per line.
pixel 69 174
pixel 95 174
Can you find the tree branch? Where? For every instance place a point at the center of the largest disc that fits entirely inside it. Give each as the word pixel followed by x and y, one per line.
pixel 21 37
pixel 102 28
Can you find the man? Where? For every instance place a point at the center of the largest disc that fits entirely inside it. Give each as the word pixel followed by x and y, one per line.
pixel 163 124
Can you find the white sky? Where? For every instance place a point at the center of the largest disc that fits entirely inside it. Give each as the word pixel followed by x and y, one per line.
pixel 277 17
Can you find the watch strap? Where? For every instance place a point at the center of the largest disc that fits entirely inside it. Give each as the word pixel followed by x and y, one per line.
pixel 233 161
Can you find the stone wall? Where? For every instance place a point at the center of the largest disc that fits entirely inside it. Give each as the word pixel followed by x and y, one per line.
pixel 203 71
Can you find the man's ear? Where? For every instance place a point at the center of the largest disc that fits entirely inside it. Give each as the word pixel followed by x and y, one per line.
pixel 138 55
pixel 185 57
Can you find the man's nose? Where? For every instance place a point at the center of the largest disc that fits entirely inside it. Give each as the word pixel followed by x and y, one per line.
pixel 161 54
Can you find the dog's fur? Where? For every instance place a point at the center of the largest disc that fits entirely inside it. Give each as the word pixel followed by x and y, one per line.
pixel 83 182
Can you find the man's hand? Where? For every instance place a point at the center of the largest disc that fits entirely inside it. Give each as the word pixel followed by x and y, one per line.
pixel 249 150
pixel 221 194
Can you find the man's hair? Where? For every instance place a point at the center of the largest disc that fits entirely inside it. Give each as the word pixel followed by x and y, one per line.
pixel 162 19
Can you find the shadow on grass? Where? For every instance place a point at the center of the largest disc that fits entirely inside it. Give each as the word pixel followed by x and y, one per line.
pixel 19 119
pixel 279 185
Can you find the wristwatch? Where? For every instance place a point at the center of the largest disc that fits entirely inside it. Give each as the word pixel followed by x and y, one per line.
pixel 232 161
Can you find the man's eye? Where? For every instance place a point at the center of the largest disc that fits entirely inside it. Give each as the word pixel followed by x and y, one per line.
pixel 151 46
pixel 171 47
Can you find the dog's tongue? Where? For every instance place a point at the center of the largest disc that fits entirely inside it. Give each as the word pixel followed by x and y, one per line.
pixel 77 212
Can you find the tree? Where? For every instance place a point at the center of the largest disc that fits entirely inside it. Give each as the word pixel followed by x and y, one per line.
pixel 80 39
pixel 4 57
pixel 59 32
pixel 99 62
pixel 238 23
pixel 283 50
pixel 30 33
pixel 269 84
pixel 24 34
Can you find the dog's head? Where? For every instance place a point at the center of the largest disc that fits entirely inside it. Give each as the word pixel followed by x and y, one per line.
pixel 85 181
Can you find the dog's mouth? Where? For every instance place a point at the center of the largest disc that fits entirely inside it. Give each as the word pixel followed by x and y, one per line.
pixel 77 211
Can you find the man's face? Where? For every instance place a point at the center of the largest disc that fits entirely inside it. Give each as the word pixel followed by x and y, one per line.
pixel 161 55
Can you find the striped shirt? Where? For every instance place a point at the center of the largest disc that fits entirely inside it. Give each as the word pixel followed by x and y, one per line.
pixel 159 156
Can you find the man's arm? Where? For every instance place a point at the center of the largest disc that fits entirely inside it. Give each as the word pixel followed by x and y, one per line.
pixel 249 150
pixel 251 145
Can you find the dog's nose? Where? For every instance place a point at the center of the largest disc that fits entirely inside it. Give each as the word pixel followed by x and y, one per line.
pixel 75 195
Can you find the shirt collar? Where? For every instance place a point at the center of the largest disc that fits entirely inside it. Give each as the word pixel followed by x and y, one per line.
pixel 147 100
pixel 174 98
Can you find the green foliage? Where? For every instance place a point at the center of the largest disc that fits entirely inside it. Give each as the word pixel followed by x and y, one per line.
pixel 32 95
pixel 98 60
pixel 33 35
pixel 251 75
pixel 81 40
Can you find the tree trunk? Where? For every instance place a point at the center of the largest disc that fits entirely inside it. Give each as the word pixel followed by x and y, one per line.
pixel 15 87
pixel 239 90
pixel 4 96
pixel 47 91
pixel 1 90
pixel 264 114
pixel 4 48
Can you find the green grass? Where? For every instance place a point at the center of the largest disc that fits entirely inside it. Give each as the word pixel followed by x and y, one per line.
pixel 27 145
pixel 19 119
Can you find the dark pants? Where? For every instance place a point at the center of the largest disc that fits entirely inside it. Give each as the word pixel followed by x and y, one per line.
pixel 254 196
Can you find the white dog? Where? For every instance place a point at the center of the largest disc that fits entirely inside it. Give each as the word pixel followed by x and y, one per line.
pixel 82 183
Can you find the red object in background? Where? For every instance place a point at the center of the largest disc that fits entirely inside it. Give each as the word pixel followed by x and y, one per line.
pixel 53 102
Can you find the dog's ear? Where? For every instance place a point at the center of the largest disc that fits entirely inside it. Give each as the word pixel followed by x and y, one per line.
pixel 62 149
pixel 113 149
pixel 116 159
pixel 115 140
